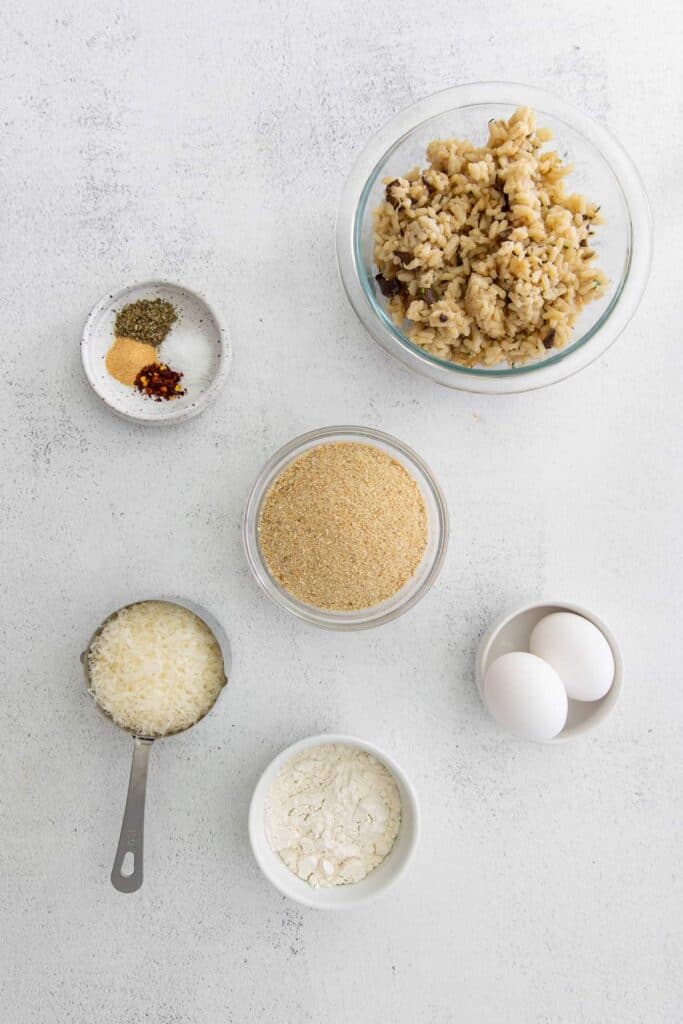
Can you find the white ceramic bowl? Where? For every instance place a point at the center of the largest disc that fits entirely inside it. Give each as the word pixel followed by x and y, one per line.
pixel 198 336
pixel 512 632
pixel 340 897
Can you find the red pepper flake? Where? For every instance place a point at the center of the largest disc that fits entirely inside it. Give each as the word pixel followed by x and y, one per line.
pixel 159 382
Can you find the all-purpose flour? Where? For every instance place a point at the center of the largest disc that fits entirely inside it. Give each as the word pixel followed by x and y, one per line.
pixel 333 814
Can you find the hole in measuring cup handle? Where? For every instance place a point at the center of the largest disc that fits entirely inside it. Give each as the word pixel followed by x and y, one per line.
pixel 128 864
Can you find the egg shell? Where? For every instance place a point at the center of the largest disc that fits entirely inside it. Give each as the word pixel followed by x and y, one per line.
pixel 578 652
pixel 526 696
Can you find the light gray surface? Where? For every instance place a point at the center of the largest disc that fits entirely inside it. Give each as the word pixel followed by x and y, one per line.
pixel 209 145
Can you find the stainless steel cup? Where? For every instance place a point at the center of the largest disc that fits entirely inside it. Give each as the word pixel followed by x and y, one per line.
pixel 127 872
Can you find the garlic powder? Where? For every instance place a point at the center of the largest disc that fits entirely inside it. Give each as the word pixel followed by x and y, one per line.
pixel 333 814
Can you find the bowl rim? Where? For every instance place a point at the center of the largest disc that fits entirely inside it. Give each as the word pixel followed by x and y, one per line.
pixel 376 615
pixel 563 364
pixel 170 415
pixel 299 890
pixel 605 706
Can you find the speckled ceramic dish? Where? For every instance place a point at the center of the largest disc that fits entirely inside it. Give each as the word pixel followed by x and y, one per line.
pixel 197 346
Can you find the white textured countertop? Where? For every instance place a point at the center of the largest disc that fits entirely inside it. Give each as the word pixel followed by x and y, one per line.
pixel 209 145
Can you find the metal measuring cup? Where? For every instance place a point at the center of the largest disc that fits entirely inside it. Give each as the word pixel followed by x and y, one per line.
pixel 131 840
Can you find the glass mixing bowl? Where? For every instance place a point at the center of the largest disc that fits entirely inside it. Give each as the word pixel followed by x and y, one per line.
pixel 602 171
pixel 437 529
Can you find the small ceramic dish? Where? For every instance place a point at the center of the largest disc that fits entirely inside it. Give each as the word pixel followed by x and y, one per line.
pixel 339 897
pixel 512 632
pixel 412 591
pixel 196 346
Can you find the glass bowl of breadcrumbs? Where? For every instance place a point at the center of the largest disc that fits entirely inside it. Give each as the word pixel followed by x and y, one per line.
pixel 346 528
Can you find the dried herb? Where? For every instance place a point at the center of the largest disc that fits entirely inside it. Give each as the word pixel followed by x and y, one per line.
pixel 159 382
pixel 147 320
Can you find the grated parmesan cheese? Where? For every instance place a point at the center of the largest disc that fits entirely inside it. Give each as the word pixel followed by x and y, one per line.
pixel 156 668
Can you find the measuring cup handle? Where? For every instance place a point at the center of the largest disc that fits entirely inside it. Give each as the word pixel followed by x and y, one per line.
pixel 133 826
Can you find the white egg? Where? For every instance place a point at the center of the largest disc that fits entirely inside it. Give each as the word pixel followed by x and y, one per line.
pixel 578 652
pixel 526 696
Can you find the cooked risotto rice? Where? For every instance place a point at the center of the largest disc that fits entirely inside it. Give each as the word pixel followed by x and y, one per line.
pixel 483 256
